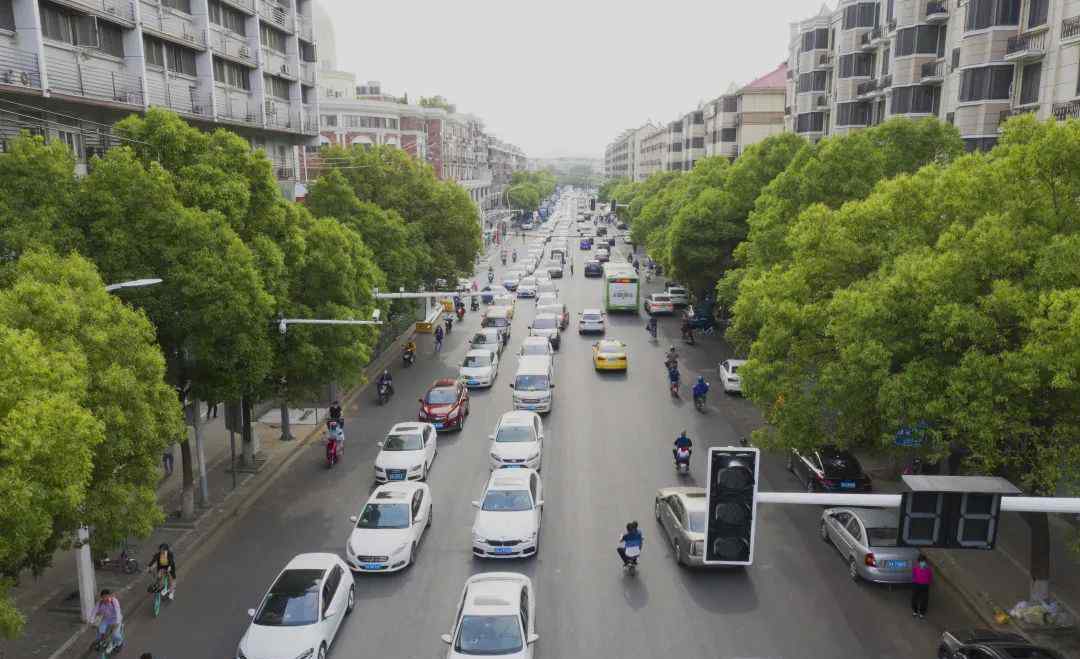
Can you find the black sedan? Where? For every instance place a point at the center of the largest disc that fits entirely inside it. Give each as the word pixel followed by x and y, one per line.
pixel 828 469
pixel 593 268
pixel 988 644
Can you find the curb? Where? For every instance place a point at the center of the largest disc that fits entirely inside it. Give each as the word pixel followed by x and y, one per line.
pixel 204 534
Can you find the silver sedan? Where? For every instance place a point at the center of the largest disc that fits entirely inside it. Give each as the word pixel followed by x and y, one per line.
pixel 681 512
pixel 866 539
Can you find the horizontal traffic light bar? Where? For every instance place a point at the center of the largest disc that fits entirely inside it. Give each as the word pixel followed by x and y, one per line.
pixel 1016 504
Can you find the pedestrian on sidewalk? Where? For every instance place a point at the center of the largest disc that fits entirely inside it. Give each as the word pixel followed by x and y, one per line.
pixel 212 411
pixel 921 576
pixel 167 460
pixel 571 268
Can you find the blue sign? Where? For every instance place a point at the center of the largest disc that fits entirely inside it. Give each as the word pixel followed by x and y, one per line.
pixel 911 436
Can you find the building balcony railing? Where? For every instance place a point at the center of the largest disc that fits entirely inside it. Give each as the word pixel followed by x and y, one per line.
pixel 122 9
pixel 311 120
pixel 866 88
pixel 824 60
pixel 307 73
pixel 885 82
pixel 937 12
pixel 180 95
pixel 933 73
pixel 821 101
pixel 878 36
pixel 865 41
pixel 1026 47
pixel 1004 115
pixel 246 5
pixel 19 68
pixel 1070 28
pixel 305 29
pixel 277 64
pixel 280 115
pixel 1066 110
pixel 237 106
pixel 70 75
pixel 179 28
pixel 230 44
pixel 278 16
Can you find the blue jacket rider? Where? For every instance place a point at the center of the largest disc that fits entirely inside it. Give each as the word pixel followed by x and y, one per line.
pixel 701 388
pixel 682 441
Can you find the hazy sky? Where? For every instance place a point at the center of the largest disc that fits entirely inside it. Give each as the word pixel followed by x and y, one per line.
pixel 563 77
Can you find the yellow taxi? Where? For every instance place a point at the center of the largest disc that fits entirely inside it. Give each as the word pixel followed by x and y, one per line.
pixel 609 355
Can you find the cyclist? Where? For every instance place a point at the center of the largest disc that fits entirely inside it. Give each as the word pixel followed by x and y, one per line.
pixel 109 619
pixel 165 561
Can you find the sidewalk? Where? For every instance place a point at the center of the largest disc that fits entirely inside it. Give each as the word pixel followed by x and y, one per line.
pixel 994 581
pixel 50 602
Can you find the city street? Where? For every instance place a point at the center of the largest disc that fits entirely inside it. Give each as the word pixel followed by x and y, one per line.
pixel 607 450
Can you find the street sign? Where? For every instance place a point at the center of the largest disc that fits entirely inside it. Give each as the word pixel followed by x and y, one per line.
pixel 951 512
pixel 731 494
pixel 911 436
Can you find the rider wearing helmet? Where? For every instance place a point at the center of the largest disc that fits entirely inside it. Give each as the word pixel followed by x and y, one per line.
pixel 682 441
pixel 701 388
pixel 387 379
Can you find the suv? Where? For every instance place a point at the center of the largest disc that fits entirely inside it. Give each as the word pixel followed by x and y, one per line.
pixel 547 325
pixel 679 295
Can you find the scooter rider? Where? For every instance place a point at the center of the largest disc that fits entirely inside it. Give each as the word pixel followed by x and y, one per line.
pixel 682 441
pixel 335 412
pixel 671 359
pixel 701 388
pixel 630 544
pixel 387 379
pixel 673 376
pixel 409 353
pixel 449 322
pixel 651 326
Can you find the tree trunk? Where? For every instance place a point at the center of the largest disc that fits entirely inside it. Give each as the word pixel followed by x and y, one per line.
pixel 1039 558
pixel 286 435
pixel 187 496
pixel 204 494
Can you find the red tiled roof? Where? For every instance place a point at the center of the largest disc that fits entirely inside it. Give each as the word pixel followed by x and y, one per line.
pixel 775 79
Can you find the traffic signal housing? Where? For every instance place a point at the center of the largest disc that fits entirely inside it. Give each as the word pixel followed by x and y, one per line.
pixel 732 496
pixel 592 204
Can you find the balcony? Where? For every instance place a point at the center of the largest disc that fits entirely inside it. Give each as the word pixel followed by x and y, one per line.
pixel 933 73
pixel 1025 47
pixel 885 83
pixel 821 101
pixel 310 119
pixel 937 12
pixel 179 95
pixel 877 36
pixel 866 89
pixel 307 73
pixel 305 29
pixel 174 27
pixel 237 106
pixel 824 61
pixel 123 10
pixel 890 27
pixel 1070 29
pixel 278 16
pixel 70 75
pixel 279 115
pixel 19 68
pixel 1067 110
pixel 1004 115
pixel 277 64
pixel 232 45
pixel 248 6
pixel 866 42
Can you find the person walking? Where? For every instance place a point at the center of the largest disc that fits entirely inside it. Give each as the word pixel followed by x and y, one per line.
pixel 167 460
pixel 921 576
pixel 571 268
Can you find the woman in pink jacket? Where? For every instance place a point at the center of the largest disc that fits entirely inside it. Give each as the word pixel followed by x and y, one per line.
pixel 921 576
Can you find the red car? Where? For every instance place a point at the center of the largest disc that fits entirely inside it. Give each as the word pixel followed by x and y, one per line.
pixel 445 405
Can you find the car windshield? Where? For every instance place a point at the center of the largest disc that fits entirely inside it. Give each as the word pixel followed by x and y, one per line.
pixel 403 442
pixel 531 383
pixel 677 291
pixel 733 368
pixel 513 434
pixel 546 323
pixel 442 396
pixel 549 308
pixel 610 348
pixel 293 600
pixel 528 281
pixel 591 317
pixel 507 501
pixel 497 322
pixel 489 635
pixel 384 516
pixel 477 361
pixel 697 521
pixel 661 298
pixel 881 536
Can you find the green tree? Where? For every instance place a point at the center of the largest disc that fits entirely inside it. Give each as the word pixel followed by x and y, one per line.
pixel 524 197
pixel 604 193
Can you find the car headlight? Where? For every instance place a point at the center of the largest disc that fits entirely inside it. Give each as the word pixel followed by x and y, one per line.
pixel 379 470
pixel 494 456
pixel 532 536
pixel 476 537
pixel 416 467
pixel 306 655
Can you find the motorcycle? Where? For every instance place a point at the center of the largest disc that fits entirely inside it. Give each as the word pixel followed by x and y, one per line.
pixel 461 312
pixel 651 329
pixel 333 451
pixel 699 402
pixel 675 388
pixel 682 460
pixel 630 564
pixel 383 393
pixel 449 322
pixel 408 357
pixel 122 563
pixel 688 335
pixel 474 304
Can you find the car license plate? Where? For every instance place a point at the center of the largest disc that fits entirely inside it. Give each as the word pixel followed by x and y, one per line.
pixel 511 466
pixel 529 407
pixel 472 381
pixel 847 485
pixel 438 426
pixel 397 477
pixel 896 565
pixel 503 550
pixel 373 566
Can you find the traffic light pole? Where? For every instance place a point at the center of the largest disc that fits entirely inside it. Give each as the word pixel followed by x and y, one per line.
pixel 1066 505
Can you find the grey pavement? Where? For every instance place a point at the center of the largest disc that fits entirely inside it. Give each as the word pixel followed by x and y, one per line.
pixel 607 451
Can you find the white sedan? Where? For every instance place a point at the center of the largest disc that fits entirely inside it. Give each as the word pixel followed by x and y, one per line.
pixel 518 440
pixel 496 616
pixel 479 368
pixel 407 452
pixel 507 523
pixel 389 528
pixel 730 379
pixel 301 613
pixel 591 320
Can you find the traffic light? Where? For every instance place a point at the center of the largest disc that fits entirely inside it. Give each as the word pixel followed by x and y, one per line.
pixel 732 496
pixel 614 205
pixel 592 204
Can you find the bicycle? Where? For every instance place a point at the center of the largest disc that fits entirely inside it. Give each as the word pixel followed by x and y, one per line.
pixel 105 645
pixel 160 587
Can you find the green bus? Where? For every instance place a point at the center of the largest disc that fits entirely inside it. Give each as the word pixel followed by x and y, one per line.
pixel 621 289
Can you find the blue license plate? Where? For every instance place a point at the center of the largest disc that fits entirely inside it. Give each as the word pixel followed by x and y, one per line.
pixel 397 477
pixel 503 550
pixel 511 466
pixel 847 485
pixel 437 425
pixel 472 381
pixel 896 565
pixel 372 566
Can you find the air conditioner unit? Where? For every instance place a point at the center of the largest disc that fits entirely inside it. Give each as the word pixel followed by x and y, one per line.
pixel 271 107
pixel 285 69
pixel 245 52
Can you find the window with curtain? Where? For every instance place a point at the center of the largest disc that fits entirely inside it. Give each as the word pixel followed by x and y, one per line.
pixel 919 40
pixel 810 122
pixel 225 16
pixel 986 83
pixel 271 38
pixel 856 65
pixel 863 14
pixel 916 99
pixel 277 87
pixel 232 74
pixel 982 14
pixel 181 60
pixel 815 81
pixel 1038 11
pixel 853 114
pixel 110 39
pixel 153 51
pixel 1030 77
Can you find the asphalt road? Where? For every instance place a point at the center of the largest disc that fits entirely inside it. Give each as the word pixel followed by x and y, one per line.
pixel 607 450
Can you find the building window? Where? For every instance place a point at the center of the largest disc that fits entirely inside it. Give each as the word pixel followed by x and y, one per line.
pixel 915 99
pixel 986 83
pixel 889 9
pixel 232 74
pixel 920 40
pixel 328 120
pixel 699 118
pixel 727 135
pixel 307 52
pixel 181 60
pixel 864 14
pixel 154 51
pixel 7 15
pixel 885 62
pixel 181 5
pixel 853 114
pixel 110 39
pixel 810 122
pixel 856 65
pixel 979 143
pixel 698 143
pixel 1029 83
pixel 815 39
pixel 815 81
pixel 1037 13
pixel 59 24
pixel 227 17
pixel 982 14
pixel 955 58
pixel 271 38
pixel 277 87
pixel 729 104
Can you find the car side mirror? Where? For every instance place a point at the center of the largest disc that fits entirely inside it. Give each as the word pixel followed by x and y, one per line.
pixel 251 613
pixel 353 519
pixel 539 503
pixel 379 444
pixel 533 638
pixel 447 638
pixel 491 437
pixel 421 400
pixel 511 385
pixel 475 504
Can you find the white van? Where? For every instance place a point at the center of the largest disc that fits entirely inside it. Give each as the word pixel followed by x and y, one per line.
pixel 533 384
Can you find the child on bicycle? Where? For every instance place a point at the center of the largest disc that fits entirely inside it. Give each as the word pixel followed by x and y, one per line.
pixel 109 619
pixel 165 562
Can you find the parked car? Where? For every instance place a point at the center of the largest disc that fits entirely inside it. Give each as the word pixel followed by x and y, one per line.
pixel 989 644
pixel 866 539
pixel 828 469
pixel 728 372
pixel 446 404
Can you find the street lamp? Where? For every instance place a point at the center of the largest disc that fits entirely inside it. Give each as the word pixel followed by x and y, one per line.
pixel 134 283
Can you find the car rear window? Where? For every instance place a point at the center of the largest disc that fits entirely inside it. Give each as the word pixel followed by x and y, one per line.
pixel 841 465
pixel 591 317
pixel 545 323
pixel 477 361
pixel 662 298
pixel 881 536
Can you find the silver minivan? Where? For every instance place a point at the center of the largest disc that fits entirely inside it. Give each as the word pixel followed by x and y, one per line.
pixel 533 384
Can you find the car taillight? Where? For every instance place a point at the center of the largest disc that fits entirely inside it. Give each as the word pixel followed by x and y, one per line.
pixel 826 482
pixel 870 560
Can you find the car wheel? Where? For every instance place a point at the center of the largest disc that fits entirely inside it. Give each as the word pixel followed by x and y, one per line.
pixel 853 569
pixel 824 530
pixel 352 600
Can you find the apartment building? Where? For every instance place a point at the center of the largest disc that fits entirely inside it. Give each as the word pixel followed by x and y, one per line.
pixel 972 63
pixel 622 158
pixel 70 69
pixel 654 152
pixel 745 115
pixel 687 141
